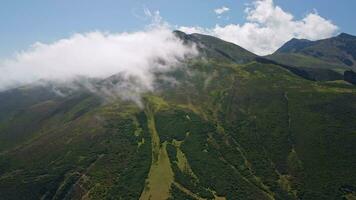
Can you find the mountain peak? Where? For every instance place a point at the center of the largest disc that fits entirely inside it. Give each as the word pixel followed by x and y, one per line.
pixel 299 40
pixel 213 47
pixel 346 36
pixel 294 45
pixel 179 33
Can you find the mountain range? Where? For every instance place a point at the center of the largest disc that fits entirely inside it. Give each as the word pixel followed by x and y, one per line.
pixel 236 126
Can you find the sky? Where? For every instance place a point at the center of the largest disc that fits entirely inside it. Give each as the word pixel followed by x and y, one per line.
pixel 24 23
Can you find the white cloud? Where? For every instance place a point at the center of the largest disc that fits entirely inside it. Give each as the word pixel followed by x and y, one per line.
pixel 221 10
pixel 137 55
pixel 97 54
pixel 268 27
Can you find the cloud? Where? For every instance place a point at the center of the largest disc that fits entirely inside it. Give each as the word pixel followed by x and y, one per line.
pixel 268 27
pixel 135 56
pixel 221 10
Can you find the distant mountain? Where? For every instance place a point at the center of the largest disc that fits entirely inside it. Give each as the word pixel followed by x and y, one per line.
pixel 236 126
pixel 326 59
pixel 337 52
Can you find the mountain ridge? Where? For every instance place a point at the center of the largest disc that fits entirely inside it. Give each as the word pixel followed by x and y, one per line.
pixel 338 50
pixel 212 47
pixel 237 126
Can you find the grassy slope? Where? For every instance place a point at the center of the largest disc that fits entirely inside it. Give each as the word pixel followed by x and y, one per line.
pixel 229 131
pixel 160 177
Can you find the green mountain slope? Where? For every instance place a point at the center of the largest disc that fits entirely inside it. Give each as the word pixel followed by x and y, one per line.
pixel 233 128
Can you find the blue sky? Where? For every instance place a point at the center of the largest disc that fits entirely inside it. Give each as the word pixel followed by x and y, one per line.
pixel 26 22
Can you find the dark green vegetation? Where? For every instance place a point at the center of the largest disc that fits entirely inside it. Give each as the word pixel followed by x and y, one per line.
pixel 233 128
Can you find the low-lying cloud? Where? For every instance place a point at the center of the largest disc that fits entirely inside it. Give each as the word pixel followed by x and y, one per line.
pixel 268 27
pixel 135 56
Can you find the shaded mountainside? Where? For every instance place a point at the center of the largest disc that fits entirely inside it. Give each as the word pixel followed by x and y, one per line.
pixel 233 128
